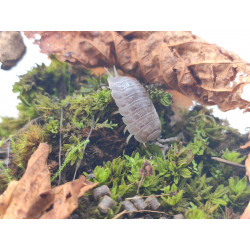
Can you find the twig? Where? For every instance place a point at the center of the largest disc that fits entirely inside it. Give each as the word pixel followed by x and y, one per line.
pixel 228 162
pixel 140 183
pixel 138 211
pixel 145 196
pixel 60 147
pixel 83 151
pixel 120 214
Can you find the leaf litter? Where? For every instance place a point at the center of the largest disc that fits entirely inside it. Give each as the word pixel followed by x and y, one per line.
pixel 180 60
pixel 32 197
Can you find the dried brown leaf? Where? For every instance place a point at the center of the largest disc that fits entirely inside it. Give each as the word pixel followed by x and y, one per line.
pixel 35 181
pixel 32 196
pixel 246 213
pixel 5 198
pixel 202 71
pixel 247 164
pixel 247 145
pixel 66 198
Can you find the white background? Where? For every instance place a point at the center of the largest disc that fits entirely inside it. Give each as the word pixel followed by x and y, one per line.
pixel 204 17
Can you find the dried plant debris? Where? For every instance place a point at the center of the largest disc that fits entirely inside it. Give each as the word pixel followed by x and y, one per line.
pixel 247 145
pixel 247 163
pixel 246 214
pixel 182 61
pixel 33 197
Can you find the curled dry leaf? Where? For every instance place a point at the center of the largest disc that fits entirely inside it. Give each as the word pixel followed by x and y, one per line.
pixel 33 197
pixel 247 164
pixel 246 214
pixel 182 61
pixel 34 182
pixel 65 198
pixel 247 145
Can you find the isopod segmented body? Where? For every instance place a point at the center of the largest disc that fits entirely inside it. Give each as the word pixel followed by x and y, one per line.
pixel 135 106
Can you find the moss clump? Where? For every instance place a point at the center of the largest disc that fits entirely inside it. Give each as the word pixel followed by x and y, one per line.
pixel 188 182
pixel 73 111
pixel 25 144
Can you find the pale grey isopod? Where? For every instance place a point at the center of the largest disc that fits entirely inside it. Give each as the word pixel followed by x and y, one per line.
pixel 135 106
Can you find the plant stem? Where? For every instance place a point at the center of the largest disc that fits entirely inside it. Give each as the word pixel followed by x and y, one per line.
pixel 83 151
pixel 60 147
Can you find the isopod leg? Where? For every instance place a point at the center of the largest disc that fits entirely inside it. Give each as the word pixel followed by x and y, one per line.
pixel 125 129
pixel 128 138
pixel 164 149
pixel 175 138
pixel 115 112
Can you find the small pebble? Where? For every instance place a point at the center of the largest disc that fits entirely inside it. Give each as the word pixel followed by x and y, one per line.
pixel 179 216
pixel 105 204
pixel 139 203
pixel 153 203
pixel 127 205
pixel 99 192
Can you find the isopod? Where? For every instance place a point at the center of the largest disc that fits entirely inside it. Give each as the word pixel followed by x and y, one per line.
pixel 136 107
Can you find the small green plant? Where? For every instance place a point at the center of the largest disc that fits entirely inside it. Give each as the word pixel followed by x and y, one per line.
pixel 53 126
pixel 74 149
pixel 195 213
pixel 218 197
pixel 239 191
pixel 73 154
pixel 6 172
pixel 200 142
pixel 232 156
pixel 159 95
pixel 102 174
pixel 177 162
pixel 175 195
pixel 105 124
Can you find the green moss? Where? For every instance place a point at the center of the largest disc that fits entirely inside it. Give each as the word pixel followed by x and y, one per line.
pixel 73 154
pixel 186 177
pixel 10 125
pixel 25 143
pixel 82 108
pixel 233 156
pixel 66 101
